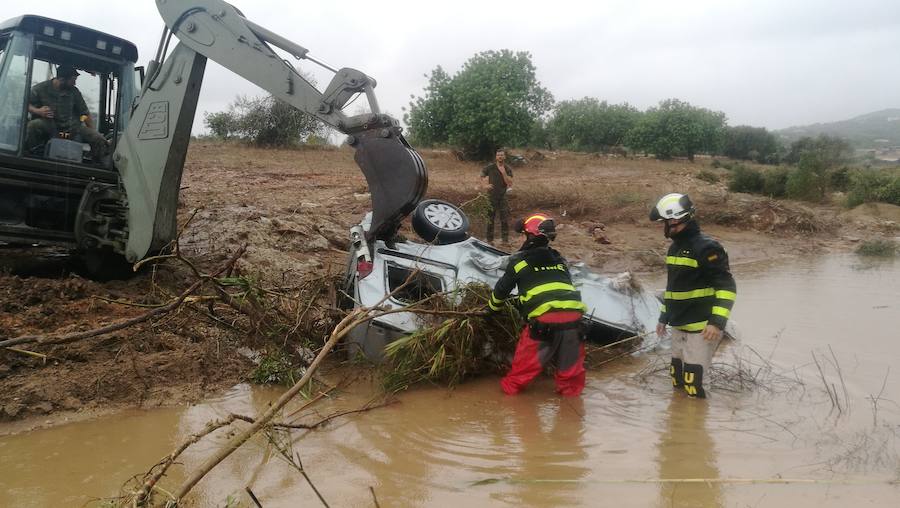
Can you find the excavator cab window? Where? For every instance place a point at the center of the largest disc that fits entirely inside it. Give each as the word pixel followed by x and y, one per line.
pixel 98 84
pixel 31 50
pixel 13 89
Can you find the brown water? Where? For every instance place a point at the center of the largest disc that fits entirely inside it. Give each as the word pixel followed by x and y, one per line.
pixel 606 448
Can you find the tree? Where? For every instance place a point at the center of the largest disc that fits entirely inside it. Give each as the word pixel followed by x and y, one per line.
pixel 429 116
pixel 493 101
pixel 829 150
pixel 591 125
pixel 223 124
pixel 676 128
pixel 815 158
pixel 265 121
pixel 751 143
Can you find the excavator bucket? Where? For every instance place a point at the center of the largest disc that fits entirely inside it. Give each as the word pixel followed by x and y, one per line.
pixel 396 176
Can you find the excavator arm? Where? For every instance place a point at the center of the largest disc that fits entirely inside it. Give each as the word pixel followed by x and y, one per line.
pixel 150 156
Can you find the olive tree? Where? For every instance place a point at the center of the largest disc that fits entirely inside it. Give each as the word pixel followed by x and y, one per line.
pixel 591 125
pixel 494 100
pixel 676 128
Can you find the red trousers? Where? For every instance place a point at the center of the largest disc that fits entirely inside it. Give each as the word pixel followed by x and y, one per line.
pixel 564 348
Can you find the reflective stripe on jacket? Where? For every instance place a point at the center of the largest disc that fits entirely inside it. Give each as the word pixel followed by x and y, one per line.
pixel 542 277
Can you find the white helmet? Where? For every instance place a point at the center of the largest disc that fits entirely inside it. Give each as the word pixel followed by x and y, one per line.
pixel 673 206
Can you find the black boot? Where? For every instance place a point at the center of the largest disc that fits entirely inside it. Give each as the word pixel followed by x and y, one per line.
pixel 676 370
pixel 693 380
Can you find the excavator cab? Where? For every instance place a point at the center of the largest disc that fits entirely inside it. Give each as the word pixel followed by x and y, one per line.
pixel 117 210
pixel 43 179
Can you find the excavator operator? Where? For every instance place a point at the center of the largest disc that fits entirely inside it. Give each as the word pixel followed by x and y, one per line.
pixel 58 110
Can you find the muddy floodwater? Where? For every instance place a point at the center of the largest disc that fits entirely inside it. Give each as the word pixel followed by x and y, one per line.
pixel 628 441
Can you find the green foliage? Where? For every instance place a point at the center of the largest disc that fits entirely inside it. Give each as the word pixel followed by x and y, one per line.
pixel 493 101
pixel 751 143
pixel 223 124
pixel 708 176
pixel 878 248
pixel 827 151
pixel 265 121
pixel 803 183
pixel 591 125
pixel 839 179
pixel 775 182
pixel 540 135
pixel 275 368
pixel 676 128
pixel 429 116
pixel 870 185
pixel 744 179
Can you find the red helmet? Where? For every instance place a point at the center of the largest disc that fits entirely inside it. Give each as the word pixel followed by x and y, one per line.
pixel 538 224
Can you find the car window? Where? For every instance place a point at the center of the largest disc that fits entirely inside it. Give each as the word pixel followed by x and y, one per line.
pixel 422 285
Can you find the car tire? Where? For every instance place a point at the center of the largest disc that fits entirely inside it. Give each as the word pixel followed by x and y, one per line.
pixel 440 222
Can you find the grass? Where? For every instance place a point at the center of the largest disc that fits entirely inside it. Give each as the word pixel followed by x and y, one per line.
pixel 707 176
pixel 878 247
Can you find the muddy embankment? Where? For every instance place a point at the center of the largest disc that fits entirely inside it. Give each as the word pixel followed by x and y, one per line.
pixel 292 209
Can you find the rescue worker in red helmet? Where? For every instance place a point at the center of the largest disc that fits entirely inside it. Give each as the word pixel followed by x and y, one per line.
pixel 552 307
pixel 700 292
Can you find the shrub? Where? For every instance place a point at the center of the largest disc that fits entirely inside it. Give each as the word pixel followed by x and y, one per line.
pixel 839 179
pixel 744 179
pixel 878 248
pixel 708 176
pixel 867 186
pixel 802 183
pixel 775 182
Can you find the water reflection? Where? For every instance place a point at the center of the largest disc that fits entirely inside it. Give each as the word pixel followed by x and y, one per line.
pixel 686 450
pixel 551 436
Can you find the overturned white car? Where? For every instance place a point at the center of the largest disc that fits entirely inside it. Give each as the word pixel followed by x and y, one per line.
pixel 448 258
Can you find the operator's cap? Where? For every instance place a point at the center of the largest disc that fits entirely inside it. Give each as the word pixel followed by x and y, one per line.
pixel 66 71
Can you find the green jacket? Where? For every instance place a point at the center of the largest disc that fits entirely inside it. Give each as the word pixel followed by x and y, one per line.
pixel 67 105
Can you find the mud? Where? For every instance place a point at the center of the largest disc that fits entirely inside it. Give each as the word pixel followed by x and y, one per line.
pixel 293 208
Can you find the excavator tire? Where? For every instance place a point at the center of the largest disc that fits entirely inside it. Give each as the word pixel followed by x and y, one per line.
pixel 103 264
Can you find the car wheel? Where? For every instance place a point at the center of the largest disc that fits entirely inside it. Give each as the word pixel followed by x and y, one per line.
pixel 440 222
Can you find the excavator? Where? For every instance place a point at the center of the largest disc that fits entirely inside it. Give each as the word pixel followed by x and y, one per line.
pixel 117 209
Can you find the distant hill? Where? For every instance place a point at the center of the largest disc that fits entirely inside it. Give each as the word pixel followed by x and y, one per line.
pixel 880 129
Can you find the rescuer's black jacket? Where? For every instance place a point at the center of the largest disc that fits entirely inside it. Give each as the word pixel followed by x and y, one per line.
pixel 700 286
pixel 544 284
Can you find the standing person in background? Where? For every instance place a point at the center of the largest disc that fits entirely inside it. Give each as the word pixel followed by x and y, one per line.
pixel 700 292
pixel 497 180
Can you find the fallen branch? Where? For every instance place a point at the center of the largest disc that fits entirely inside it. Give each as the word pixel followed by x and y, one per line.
pixel 344 327
pixel 167 462
pixel 350 321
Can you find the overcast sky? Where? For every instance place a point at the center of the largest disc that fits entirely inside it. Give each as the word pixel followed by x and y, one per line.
pixel 770 63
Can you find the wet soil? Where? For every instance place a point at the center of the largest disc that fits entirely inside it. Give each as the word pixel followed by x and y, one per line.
pixel 293 209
